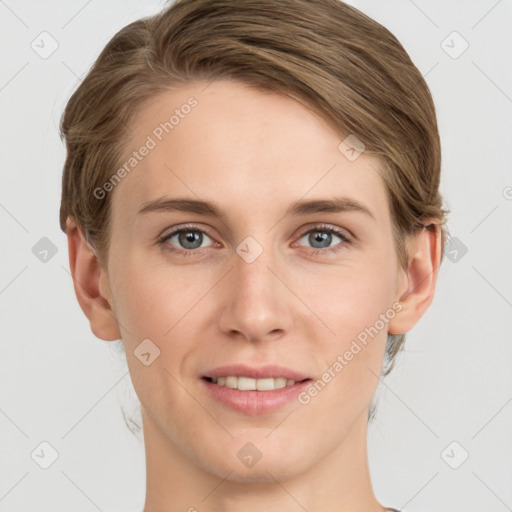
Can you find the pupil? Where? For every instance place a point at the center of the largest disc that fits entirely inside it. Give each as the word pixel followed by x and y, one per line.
pixel 189 237
pixel 321 236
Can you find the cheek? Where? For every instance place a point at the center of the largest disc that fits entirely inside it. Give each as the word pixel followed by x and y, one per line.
pixel 154 303
pixel 164 304
pixel 150 296
pixel 352 298
pixel 143 306
pixel 356 303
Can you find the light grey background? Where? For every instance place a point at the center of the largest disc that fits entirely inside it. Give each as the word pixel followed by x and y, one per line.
pixel 453 383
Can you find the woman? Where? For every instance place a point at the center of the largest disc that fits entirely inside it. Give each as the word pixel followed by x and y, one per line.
pixel 251 199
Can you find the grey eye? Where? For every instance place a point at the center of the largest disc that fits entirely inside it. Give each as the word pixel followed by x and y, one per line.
pixel 188 238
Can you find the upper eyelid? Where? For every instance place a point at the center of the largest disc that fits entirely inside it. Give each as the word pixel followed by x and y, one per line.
pixel 327 227
pixel 185 227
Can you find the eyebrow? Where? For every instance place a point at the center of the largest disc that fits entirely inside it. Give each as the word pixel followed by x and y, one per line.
pixel 301 207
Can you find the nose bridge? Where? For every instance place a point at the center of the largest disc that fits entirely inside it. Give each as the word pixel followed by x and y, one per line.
pixel 256 305
pixel 252 264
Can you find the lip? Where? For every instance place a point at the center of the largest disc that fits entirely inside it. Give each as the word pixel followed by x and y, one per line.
pixel 260 372
pixel 255 402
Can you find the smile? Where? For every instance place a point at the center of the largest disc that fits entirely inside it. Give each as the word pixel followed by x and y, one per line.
pixel 250 384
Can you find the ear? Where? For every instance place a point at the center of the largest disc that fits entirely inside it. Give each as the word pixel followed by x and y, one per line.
pixel 91 285
pixel 419 280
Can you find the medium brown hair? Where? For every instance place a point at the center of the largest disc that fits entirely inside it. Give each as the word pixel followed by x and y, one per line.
pixel 324 53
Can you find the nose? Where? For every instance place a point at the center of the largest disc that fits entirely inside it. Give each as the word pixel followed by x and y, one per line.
pixel 255 301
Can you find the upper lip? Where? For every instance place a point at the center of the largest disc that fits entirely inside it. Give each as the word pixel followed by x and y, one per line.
pixel 259 372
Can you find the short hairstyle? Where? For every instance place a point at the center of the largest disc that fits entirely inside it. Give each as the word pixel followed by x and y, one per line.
pixel 324 54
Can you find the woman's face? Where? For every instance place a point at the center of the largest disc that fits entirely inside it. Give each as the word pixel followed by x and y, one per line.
pixel 265 284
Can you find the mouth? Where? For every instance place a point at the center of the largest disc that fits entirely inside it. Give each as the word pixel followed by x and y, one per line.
pixel 263 391
pixel 252 389
pixel 243 383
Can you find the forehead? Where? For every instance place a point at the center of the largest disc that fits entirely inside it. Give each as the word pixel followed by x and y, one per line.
pixel 228 142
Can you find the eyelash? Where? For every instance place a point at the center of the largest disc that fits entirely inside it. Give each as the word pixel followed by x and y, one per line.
pixel 346 239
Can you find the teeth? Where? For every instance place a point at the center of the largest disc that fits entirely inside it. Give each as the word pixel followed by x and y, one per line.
pixel 248 384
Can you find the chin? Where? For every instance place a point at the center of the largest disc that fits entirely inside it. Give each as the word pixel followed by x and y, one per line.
pixel 249 464
pixel 260 473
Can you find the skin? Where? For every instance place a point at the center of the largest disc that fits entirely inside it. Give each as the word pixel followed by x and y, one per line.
pixel 253 153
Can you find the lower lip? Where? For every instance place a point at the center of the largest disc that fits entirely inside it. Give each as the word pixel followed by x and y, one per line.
pixel 255 402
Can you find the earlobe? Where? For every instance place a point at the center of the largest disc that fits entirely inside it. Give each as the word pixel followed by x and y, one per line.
pixel 91 285
pixel 424 259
